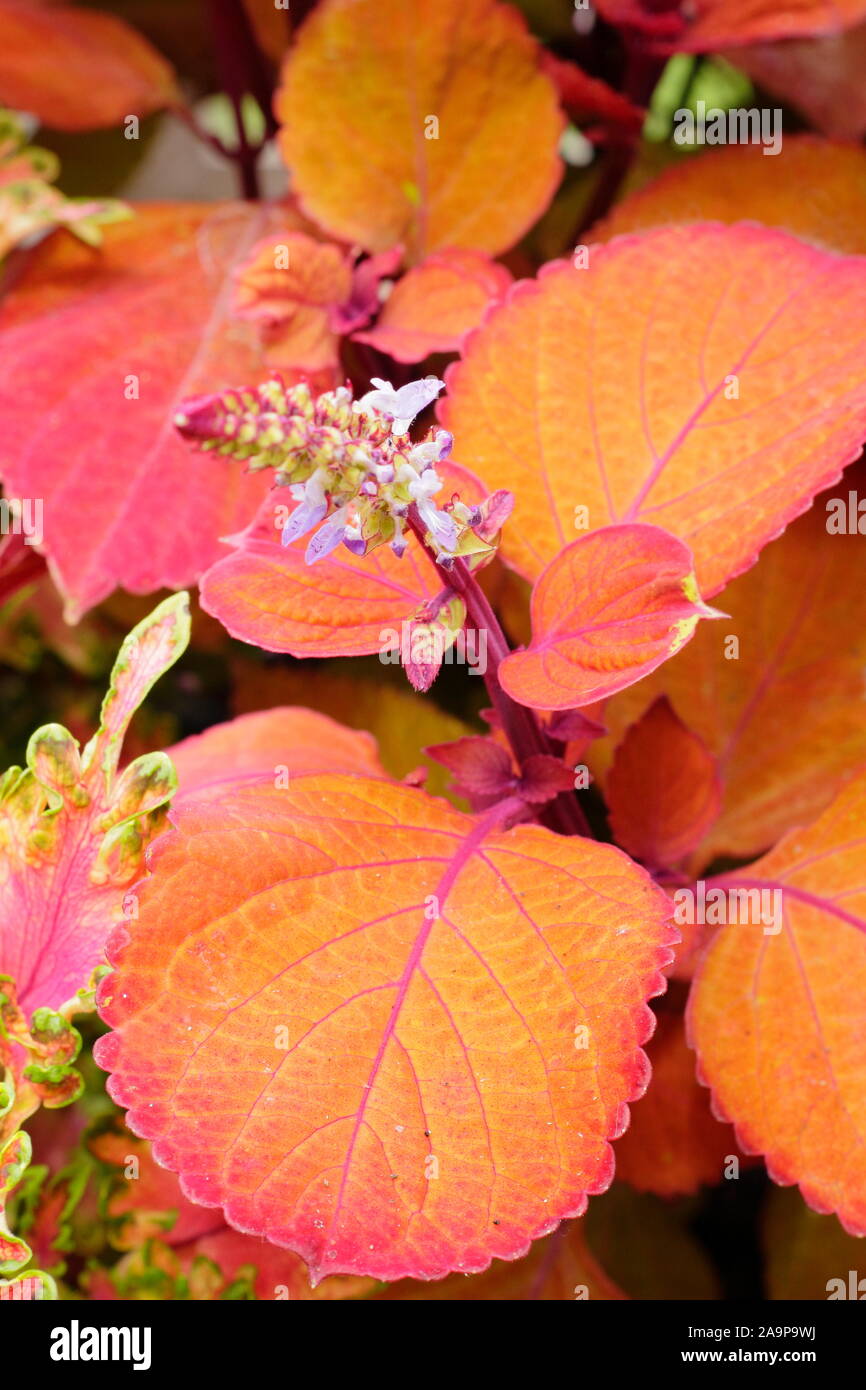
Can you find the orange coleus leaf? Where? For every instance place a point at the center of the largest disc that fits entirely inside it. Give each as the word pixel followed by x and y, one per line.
pixel 271 743
pixel 559 1269
pixel 776 691
pixel 143 1202
pixel 706 379
pixel 776 1011
pixel 344 605
pixel 96 351
pixel 704 25
pixel 608 610
pixel 436 304
pixel 674 1144
pixel 663 790
pixel 77 69
pixel 739 182
pixel 411 1034
pixel 449 141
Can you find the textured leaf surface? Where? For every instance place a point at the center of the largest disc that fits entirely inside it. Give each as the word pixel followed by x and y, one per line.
pixel 663 791
pixel 150 1206
pixel 428 1108
pixel 740 182
pixel 265 745
pixel 777 1020
pixel 436 304
pixel 266 593
pixel 74 831
pixel 782 710
pixel 705 25
pixel 125 501
pixel 605 388
pixel 364 159
pixel 607 611
pixel 77 69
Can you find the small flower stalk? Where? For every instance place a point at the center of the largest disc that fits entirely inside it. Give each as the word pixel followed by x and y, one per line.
pixel 354 474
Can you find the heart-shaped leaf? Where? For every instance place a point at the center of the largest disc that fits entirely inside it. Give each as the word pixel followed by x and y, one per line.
pixel 411 1035
pixel 609 609
pixel 706 379
pixel 441 131
pixel 775 691
pixel 77 69
pixel 776 1011
pixel 96 351
pixel 436 304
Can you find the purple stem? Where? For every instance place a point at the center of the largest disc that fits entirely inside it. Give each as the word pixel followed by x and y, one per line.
pixel 243 70
pixel 519 723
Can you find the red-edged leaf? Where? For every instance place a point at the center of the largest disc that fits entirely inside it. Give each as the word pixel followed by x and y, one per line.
pixel 436 304
pixel 386 1035
pixel 739 181
pixel 144 1203
pixel 663 791
pixel 344 605
pixel 674 1144
pixel 613 390
pixel 77 69
pixel 441 131
pixel 705 25
pixel 74 829
pixel 125 501
pixel 592 102
pixel 776 691
pixel 776 1016
pixel 272 743
pixel 610 609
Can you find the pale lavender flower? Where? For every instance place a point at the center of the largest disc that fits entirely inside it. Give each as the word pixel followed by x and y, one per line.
pixel 442 527
pixel 404 404
pixel 328 537
pixel 313 508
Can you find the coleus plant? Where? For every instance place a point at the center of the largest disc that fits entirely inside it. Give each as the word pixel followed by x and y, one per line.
pixel 398 1035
